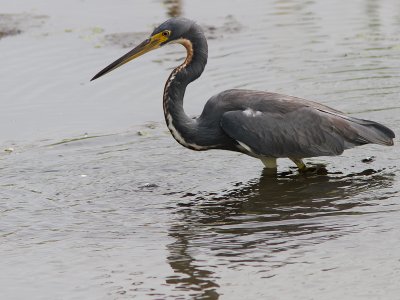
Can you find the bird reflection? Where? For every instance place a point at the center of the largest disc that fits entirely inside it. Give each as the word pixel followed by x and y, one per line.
pixel 174 8
pixel 254 220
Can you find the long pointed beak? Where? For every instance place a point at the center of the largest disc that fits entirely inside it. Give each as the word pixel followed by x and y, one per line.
pixel 144 47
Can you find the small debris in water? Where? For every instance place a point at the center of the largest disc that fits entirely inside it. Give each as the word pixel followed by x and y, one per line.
pixel 9 150
pixel 83 175
pixel 4 33
pixel 368 160
pixel 124 39
pixel 148 186
pixel 188 195
pixel 97 30
pixel 230 26
pixel 174 7
pixel 14 24
pixel 151 126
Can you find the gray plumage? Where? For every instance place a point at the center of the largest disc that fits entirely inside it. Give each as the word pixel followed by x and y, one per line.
pixel 277 125
pixel 260 124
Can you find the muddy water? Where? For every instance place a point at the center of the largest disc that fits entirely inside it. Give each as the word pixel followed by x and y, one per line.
pixel 99 202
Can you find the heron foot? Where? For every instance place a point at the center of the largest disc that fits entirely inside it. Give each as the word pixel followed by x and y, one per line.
pixel 299 163
pixel 315 169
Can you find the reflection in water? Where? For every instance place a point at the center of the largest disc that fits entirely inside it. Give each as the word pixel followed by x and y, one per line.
pixel 182 262
pixel 174 7
pixel 248 224
pixel 372 13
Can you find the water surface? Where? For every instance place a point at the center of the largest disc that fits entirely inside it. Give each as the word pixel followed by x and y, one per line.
pixel 97 201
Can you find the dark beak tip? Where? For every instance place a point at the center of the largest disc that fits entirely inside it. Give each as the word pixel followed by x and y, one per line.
pixel 95 77
pixel 138 50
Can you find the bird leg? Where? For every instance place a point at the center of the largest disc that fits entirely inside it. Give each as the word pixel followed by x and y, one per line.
pixel 300 164
pixel 316 169
pixel 269 162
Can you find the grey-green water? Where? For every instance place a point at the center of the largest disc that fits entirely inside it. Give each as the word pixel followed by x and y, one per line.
pixel 97 201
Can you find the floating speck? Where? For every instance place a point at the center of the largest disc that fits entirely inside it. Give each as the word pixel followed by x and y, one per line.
pixel 368 160
pixel 97 30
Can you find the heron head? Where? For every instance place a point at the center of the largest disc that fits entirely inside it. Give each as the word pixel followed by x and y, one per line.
pixel 170 31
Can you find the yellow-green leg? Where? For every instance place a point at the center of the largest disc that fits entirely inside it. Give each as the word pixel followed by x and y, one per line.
pixel 314 169
pixel 270 166
pixel 269 162
pixel 300 164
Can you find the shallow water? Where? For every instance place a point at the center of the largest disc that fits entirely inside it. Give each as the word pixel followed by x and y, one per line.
pixel 99 202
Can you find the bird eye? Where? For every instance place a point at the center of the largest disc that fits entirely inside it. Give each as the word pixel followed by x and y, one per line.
pixel 166 33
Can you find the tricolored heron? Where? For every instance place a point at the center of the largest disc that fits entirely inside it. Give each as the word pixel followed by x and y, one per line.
pixel 260 124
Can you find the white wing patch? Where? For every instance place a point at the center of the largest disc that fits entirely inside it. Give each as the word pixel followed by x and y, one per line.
pixel 244 146
pixel 251 113
pixel 269 162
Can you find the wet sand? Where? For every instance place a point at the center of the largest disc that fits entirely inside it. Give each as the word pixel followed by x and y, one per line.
pixel 99 202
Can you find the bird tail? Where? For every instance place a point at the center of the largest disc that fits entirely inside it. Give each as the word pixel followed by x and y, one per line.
pixel 370 132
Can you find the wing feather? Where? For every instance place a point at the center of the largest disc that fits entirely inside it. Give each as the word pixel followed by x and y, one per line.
pixel 305 132
pixel 278 125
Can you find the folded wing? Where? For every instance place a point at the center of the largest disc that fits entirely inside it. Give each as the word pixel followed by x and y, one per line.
pixel 305 132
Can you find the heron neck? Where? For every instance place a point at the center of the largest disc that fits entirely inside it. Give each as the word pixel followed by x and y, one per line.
pixel 181 126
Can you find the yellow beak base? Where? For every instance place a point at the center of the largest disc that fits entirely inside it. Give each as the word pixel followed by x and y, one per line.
pixel 151 43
